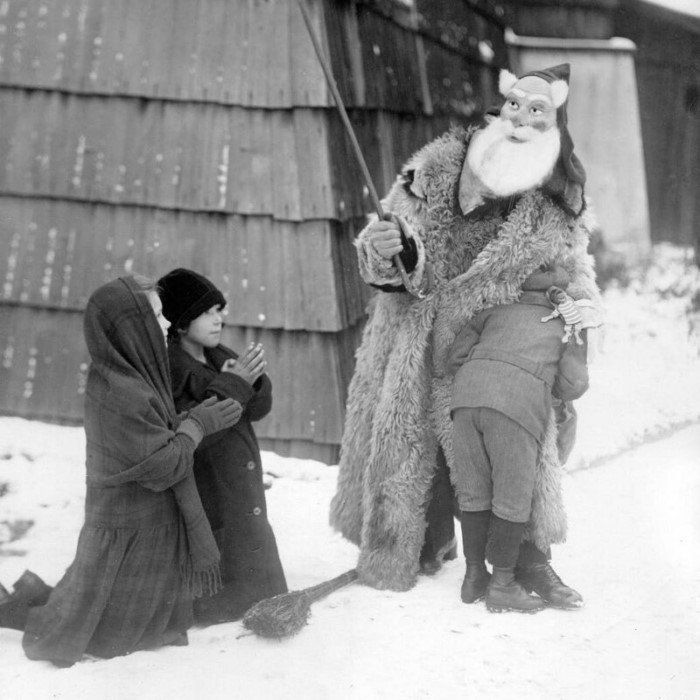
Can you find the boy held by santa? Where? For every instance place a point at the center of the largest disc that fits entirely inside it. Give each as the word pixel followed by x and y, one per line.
pixel 510 361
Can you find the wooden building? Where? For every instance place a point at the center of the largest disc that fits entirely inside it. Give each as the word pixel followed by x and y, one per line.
pixel 637 103
pixel 603 109
pixel 668 80
pixel 140 136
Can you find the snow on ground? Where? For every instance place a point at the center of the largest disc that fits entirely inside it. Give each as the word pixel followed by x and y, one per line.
pixel 633 551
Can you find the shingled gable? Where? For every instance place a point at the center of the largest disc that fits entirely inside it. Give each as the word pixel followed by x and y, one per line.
pixel 145 136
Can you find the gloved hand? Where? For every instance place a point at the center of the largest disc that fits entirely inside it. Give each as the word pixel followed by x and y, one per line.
pixel 545 277
pixel 214 415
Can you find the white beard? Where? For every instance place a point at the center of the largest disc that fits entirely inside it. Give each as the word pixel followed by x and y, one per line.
pixel 508 167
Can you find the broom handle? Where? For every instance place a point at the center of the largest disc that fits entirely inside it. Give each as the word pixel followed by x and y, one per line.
pixel 323 589
pixel 410 287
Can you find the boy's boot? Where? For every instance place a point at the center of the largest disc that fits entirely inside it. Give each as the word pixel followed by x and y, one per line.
pixel 475 530
pixel 534 572
pixel 504 592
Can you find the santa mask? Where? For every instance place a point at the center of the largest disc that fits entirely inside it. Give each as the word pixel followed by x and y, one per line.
pixel 521 149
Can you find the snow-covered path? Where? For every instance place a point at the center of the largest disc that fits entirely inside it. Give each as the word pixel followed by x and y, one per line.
pixel 633 551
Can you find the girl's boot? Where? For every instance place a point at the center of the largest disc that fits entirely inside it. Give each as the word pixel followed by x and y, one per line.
pixel 475 530
pixel 29 591
pixel 504 592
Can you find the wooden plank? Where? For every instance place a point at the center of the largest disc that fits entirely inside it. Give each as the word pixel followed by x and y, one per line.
pixel 312 156
pixel 353 293
pixel 13 20
pixel 131 50
pixel 258 49
pixel 15 343
pixel 90 67
pixel 340 55
pixel 278 78
pixel 210 45
pixel 308 81
pixel 161 24
pixel 234 58
pixel 43 364
pixel 10 115
pixel 285 190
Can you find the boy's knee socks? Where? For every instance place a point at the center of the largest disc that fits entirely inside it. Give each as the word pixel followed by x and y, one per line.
pixel 475 530
pixel 504 542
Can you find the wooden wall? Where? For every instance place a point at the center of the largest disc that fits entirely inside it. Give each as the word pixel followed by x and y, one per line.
pixel 564 19
pixel 668 80
pixel 604 122
pixel 140 135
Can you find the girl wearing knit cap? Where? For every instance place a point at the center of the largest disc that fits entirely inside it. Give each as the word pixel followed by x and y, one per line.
pixel 227 467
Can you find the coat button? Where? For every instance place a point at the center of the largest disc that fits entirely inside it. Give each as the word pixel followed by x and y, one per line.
pixel 257 510
pixel 250 466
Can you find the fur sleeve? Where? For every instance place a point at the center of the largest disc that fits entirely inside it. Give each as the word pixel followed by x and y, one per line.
pixel 579 264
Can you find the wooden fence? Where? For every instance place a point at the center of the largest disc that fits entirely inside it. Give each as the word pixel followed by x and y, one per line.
pixel 140 135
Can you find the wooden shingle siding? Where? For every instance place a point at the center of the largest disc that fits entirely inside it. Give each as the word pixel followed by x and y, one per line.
pixel 198 157
pixel 275 274
pixel 142 135
pixel 237 52
pixel 190 156
pixel 43 365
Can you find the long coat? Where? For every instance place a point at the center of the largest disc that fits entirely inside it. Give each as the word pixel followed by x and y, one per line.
pixel 228 472
pixel 398 408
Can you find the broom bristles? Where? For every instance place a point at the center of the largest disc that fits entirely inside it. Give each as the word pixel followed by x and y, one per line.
pixel 286 614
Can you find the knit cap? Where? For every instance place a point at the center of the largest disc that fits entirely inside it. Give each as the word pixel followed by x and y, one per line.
pixel 185 295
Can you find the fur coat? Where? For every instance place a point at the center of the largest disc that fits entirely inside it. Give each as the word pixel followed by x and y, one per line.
pixel 399 397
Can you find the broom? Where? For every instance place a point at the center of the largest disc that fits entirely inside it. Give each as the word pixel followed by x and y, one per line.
pixel 284 615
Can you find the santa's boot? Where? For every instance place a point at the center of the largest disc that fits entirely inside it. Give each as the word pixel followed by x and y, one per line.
pixel 534 572
pixel 475 530
pixel 439 543
pixel 504 592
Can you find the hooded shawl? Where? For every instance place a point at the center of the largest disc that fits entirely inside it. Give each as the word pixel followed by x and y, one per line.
pixel 399 396
pixel 130 417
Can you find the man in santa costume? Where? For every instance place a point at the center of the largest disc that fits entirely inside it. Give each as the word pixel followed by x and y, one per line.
pixel 476 215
